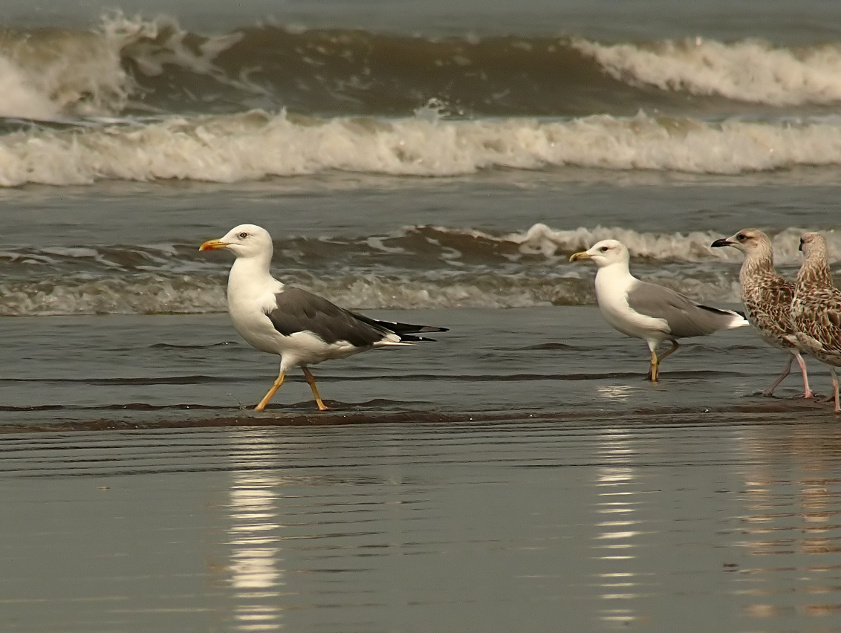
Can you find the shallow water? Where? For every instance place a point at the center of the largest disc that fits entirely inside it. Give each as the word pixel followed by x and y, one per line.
pixel 557 362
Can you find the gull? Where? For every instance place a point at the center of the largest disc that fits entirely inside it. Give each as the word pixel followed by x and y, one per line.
pixel 302 328
pixel 648 311
pixel 767 299
pixel 816 307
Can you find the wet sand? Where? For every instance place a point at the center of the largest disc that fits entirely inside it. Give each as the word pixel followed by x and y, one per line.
pixel 515 474
pixel 516 524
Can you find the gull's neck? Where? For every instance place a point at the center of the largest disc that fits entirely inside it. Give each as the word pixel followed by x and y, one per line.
pixel 251 276
pixel 815 270
pixel 613 277
pixel 758 263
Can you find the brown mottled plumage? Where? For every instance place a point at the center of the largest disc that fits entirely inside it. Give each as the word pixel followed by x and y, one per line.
pixel 816 308
pixel 767 299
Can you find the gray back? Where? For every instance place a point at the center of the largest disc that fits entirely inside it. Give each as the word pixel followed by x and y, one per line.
pixel 685 317
pixel 299 310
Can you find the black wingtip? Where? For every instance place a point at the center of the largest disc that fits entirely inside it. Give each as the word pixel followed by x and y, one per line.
pixel 404 330
pixel 411 335
pixel 409 338
pixel 722 311
pixel 408 328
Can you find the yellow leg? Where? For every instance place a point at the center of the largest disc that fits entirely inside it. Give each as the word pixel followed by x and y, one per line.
pixel 311 380
pixel 268 396
pixel 654 371
pixel 673 349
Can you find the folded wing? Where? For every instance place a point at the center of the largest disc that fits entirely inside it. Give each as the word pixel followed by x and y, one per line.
pixel 684 317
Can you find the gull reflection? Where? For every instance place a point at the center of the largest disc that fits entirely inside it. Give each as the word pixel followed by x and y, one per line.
pixel 617 538
pixel 254 570
pixel 791 527
pixel 615 392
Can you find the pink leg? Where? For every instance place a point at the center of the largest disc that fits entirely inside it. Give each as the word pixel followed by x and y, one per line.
pixel 835 386
pixel 807 392
pixel 785 373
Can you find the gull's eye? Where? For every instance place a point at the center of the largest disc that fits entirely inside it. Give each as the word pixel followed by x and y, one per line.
pixel 741 237
pixel 603 249
pixel 242 235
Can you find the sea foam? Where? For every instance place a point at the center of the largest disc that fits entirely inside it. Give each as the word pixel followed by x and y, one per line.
pixel 58 74
pixel 691 247
pixel 54 74
pixel 129 65
pixel 748 70
pixel 448 267
pixel 257 144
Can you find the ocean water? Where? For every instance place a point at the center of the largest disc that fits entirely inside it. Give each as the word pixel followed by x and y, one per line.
pixel 404 167
pixel 435 162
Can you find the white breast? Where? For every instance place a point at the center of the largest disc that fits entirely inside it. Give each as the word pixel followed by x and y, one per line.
pixel 250 297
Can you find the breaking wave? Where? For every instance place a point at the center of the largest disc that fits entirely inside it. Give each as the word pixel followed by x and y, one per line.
pixel 136 65
pixel 417 267
pixel 689 248
pixel 258 144
pixel 144 99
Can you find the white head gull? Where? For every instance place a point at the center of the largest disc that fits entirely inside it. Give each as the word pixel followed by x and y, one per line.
pixel 816 307
pixel 648 311
pixel 302 328
pixel 767 299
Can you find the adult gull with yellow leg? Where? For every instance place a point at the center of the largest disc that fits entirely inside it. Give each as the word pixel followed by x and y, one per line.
pixel 302 328
pixel 648 311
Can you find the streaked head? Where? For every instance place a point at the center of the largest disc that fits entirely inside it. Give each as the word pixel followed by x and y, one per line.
pixel 604 253
pixel 748 241
pixel 245 240
pixel 813 244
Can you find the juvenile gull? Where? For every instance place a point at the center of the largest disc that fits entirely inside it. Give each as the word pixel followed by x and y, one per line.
pixel 767 299
pixel 302 328
pixel 648 311
pixel 816 307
